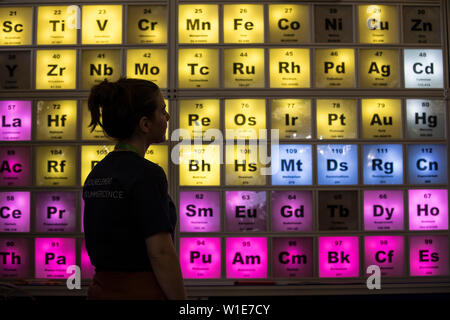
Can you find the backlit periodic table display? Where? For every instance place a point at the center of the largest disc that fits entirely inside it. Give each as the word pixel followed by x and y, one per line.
pixel 307 140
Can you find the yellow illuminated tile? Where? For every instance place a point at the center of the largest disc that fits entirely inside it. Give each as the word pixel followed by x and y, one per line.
pixel 147 24
pixel 244 118
pixel 198 68
pixel 56 120
pixel 56 69
pixel 381 118
pixel 243 23
pixel 90 156
pixel 57 25
pixel 378 24
pixel 289 68
pixel 86 133
pixel 243 165
pixel 336 119
pixel 244 68
pixel 289 23
pixel 200 165
pixel 379 68
pixel 198 23
pixel 101 24
pixel 292 117
pixel 198 116
pixel 17 26
pixel 98 65
pixel 148 64
pixel 56 166
pixel 335 68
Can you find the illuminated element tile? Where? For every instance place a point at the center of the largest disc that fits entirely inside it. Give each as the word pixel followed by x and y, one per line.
pixel 421 24
pixel 101 24
pixel 292 118
pixel 381 118
pixel 425 119
pixel 15 170
pixel 198 23
pixel 337 164
pixel 383 210
pixel 245 165
pixel 147 24
pixel 428 255
pixel 246 258
pixel 148 64
pixel 386 252
pixel 198 68
pixel 55 212
pixel 56 25
pixel 338 257
pixel 15 211
pixel 15 262
pixel 336 119
pixel 56 166
pixel 292 257
pixel 291 164
pixel 159 154
pixel 56 69
pixel 17 26
pixel 244 68
pixel 200 165
pixel 378 24
pixel 246 211
pixel 200 258
pixel 428 209
pixel 56 120
pixel 335 68
pixel 423 68
pixel 244 118
pixel 53 256
pixel 197 117
pixel 338 210
pixel 289 68
pixel 379 68
pixel 199 211
pixel 292 211
pixel 98 65
pixel 383 164
pixel 90 157
pixel 86 133
pixel 289 23
pixel 16 66
pixel 427 164
pixel 16 120
pixel 87 269
pixel 333 23
pixel 243 23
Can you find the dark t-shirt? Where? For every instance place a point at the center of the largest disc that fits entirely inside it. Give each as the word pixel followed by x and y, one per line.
pixel 126 201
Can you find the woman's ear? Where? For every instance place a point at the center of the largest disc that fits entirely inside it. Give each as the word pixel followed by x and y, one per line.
pixel 145 124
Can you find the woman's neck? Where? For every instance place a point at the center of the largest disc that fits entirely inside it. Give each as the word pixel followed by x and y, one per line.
pixel 132 145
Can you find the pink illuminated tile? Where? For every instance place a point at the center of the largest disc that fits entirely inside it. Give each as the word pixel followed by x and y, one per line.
pixel 246 257
pixel 15 166
pixel 386 252
pixel 383 210
pixel 293 257
pixel 428 255
pixel 87 269
pixel 428 209
pixel 53 256
pixel 55 212
pixel 15 120
pixel 338 257
pixel 14 211
pixel 14 258
pixel 245 211
pixel 292 211
pixel 200 258
pixel 199 211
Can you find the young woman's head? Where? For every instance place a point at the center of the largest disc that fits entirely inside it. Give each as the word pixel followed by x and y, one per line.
pixel 128 107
